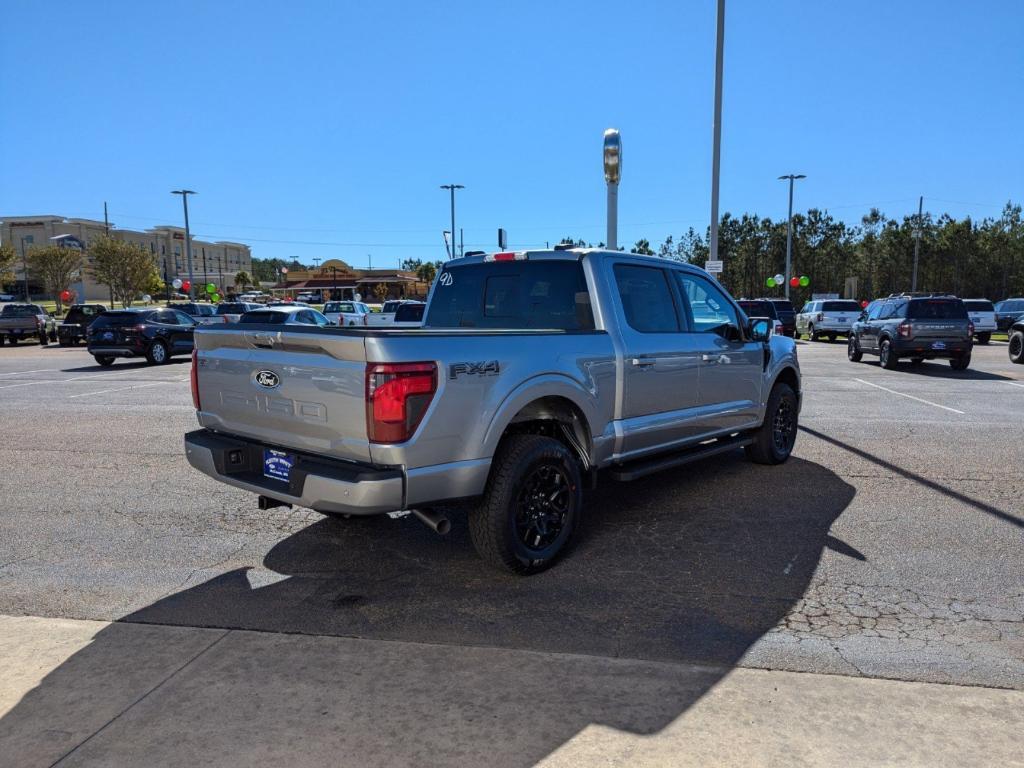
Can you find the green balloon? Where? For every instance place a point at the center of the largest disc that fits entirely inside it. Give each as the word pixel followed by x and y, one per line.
pixel 215 297
pixel 211 288
pixel 804 281
pixel 770 282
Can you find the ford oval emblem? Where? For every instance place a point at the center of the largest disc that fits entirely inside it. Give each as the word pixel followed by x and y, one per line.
pixel 267 379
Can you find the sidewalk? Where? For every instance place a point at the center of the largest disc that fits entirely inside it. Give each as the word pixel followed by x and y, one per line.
pixel 86 693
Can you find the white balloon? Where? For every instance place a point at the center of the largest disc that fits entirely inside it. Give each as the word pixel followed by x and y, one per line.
pixel 146 298
pixel 176 283
pixel 780 278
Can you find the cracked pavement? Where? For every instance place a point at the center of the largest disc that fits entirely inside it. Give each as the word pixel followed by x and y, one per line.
pixel 889 546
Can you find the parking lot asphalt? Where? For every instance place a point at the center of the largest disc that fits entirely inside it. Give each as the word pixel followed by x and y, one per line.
pixel 889 546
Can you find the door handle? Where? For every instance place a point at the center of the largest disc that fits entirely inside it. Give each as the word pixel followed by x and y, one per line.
pixel 710 358
pixel 643 362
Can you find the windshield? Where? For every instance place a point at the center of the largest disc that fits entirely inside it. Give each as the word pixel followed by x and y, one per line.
pixel 937 309
pixel 979 305
pixel 841 306
pixel 21 310
pixel 512 294
pixel 1011 305
pixel 391 306
pixel 340 306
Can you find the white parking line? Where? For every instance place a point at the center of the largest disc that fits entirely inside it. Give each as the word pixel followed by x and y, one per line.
pixel 26 384
pixel 37 370
pixel 1015 384
pixel 911 397
pixel 118 389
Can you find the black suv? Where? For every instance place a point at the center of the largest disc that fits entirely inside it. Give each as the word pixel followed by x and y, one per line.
pixel 764 308
pixel 787 316
pixel 156 334
pixel 919 327
pixel 72 329
pixel 1008 312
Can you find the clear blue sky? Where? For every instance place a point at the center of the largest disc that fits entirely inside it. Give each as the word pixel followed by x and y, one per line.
pixel 335 122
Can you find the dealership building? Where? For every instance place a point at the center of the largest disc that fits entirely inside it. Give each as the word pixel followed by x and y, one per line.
pixel 216 262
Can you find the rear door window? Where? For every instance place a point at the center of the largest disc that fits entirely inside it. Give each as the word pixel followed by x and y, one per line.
pixel 518 294
pixel 758 309
pixel 646 297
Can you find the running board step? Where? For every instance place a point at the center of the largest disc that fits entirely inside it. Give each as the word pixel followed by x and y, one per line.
pixel 643 467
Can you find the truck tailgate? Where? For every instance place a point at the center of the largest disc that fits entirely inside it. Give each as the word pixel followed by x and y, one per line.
pixel 292 389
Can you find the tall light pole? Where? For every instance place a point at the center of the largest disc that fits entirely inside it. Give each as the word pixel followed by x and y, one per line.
pixel 188 239
pixel 612 174
pixel 917 242
pixel 452 188
pixel 24 268
pixel 789 227
pixel 716 142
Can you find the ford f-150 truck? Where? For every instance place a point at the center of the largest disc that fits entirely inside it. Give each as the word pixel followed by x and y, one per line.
pixel 533 371
pixel 24 321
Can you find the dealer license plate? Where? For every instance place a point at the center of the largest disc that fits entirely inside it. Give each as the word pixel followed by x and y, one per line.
pixel 277 465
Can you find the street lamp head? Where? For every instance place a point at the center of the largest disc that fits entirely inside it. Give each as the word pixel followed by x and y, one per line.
pixel 792 176
pixel 452 186
pixel 183 192
pixel 612 156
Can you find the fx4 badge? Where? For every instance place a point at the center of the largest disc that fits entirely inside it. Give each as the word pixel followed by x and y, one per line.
pixel 483 368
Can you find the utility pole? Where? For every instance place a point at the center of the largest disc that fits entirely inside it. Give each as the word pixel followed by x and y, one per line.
pixel 917 242
pixel 789 227
pixel 612 174
pixel 106 221
pixel 188 239
pixel 24 268
pixel 452 188
pixel 716 142
pixel 462 244
pixel 206 277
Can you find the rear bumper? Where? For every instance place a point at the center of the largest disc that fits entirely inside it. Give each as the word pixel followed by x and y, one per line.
pixel 114 351
pixel 923 348
pixel 827 327
pixel 316 482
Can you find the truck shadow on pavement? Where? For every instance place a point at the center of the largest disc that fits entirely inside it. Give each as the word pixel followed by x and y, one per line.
pixel 694 565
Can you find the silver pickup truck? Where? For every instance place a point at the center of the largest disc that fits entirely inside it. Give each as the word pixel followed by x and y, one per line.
pixel 533 371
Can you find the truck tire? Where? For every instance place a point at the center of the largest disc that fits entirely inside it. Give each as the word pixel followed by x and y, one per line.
pixel 2 339
pixel 13 340
pixel 105 360
pixel 531 505
pixel 984 338
pixel 774 439
pixel 1017 347
pixel 811 333
pixel 960 363
pixel 887 357
pixel 42 338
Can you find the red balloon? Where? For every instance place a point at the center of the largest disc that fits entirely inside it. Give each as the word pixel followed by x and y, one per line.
pixel 864 304
pixel 186 285
pixel 65 296
pixel 288 298
pixel 794 281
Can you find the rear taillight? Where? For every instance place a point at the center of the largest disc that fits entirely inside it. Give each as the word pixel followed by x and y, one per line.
pixel 903 329
pixel 195 379
pixel 970 329
pixel 397 396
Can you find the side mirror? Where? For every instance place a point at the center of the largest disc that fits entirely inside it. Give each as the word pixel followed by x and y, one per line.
pixel 760 329
pixel 863 316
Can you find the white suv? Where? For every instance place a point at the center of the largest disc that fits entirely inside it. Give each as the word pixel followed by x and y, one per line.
pixel 983 315
pixel 827 317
